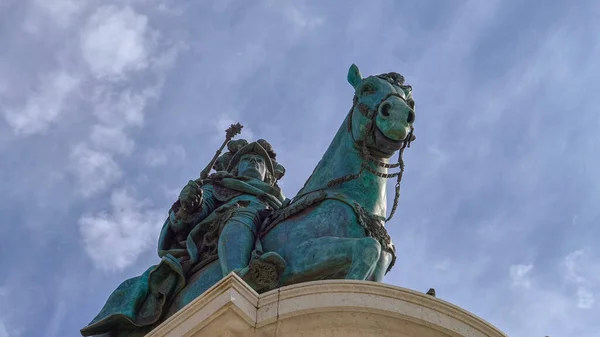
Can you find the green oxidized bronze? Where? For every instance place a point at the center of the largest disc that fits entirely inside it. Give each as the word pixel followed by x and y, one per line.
pixel 237 220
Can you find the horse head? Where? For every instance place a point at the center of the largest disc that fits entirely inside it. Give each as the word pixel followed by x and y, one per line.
pixel 383 113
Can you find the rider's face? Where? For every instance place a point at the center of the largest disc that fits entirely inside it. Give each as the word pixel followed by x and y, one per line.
pixel 252 166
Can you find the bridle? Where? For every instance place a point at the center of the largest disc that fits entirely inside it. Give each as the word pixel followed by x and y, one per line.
pixel 367 157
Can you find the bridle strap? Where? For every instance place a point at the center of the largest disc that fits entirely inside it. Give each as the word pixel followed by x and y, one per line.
pixel 370 114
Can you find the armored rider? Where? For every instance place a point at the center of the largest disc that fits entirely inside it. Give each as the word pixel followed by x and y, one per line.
pixel 215 218
pixel 219 217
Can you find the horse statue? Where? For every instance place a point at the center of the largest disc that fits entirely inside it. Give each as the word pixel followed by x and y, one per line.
pixel 334 227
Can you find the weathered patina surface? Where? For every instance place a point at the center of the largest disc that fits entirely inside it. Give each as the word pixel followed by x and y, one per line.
pixel 334 227
pixel 237 220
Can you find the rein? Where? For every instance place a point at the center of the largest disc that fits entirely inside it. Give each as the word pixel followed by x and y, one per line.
pixel 370 114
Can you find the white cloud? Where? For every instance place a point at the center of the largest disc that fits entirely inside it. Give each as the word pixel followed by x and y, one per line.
pixel 572 267
pixel 575 275
pixel 172 193
pixel 442 266
pixel 3 82
pixel 159 157
pixel 96 170
pixel 122 108
pixel 169 7
pixel 519 275
pixel 3 330
pixel 225 122
pixel 114 240
pixel 585 298
pixel 538 311
pixel 178 153
pixel 60 12
pixel 116 41
pixel 155 157
pixel 111 139
pixel 58 316
pixel 44 106
pixel 301 19
pixel 167 58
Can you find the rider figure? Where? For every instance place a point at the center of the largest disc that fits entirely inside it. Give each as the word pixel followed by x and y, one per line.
pixel 221 215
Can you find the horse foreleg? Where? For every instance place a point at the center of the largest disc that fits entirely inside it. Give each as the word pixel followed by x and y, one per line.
pixel 321 257
pixel 382 265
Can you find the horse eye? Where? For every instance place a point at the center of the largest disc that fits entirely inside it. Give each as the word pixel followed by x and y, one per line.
pixel 367 89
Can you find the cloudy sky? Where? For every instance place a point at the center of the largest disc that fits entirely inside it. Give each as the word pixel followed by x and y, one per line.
pixel 107 108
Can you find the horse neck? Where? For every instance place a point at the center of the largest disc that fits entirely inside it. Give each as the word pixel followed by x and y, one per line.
pixel 343 158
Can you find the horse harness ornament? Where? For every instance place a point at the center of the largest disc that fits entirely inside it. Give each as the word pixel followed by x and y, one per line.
pixel 370 114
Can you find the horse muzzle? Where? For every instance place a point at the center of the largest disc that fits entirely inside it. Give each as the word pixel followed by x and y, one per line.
pixel 386 144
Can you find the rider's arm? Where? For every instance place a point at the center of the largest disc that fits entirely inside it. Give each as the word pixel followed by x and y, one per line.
pixel 184 221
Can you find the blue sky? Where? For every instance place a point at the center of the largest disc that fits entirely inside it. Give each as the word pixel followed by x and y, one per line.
pixel 107 108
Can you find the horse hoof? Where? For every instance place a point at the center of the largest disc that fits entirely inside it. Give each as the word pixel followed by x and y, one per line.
pixel 274 259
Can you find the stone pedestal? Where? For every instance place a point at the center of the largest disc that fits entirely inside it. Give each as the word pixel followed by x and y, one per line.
pixel 323 308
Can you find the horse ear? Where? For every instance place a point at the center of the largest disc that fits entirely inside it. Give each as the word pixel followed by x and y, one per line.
pixel 354 76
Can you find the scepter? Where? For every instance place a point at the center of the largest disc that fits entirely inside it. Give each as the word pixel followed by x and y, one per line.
pixel 232 131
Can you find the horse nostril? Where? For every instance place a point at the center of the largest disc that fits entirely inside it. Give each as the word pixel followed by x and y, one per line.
pixel 385 109
pixel 411 117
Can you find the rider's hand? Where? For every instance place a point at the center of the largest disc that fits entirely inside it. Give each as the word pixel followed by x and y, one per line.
pixel 191 197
